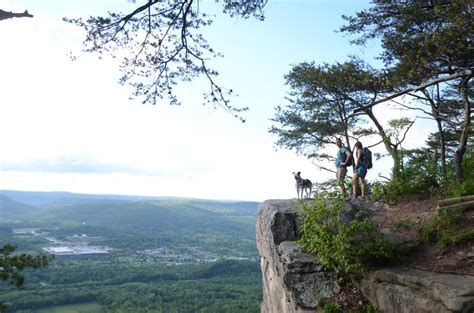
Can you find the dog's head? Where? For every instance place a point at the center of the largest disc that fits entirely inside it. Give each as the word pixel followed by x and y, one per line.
pixel 297 175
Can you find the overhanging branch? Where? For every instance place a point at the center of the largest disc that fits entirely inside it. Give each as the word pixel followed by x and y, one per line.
pixel 466 73
pixel 323 168
pixel 6 15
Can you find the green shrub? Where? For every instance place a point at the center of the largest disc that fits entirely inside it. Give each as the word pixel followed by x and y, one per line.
pixel 466 186
pixel 446 239
pixel 342 247
pixel 445 229
pixel 330 188
pixel 463 188
pixel 419 177
pixel 464 236
pixel 376 190
pixel 328 307
pixel 390 191
pixel 455 238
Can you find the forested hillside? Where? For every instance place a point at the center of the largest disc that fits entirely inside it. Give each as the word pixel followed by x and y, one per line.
pixel 133 253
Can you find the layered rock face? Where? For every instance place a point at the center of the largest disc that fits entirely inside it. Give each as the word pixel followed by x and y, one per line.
pixel 293 281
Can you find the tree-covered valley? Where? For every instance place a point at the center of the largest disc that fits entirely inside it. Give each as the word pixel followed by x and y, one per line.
pixel 140 254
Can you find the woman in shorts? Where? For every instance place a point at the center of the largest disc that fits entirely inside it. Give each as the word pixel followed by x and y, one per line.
pixel 359 171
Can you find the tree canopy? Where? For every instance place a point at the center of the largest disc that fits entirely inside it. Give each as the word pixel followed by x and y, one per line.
pixel 423 41
pixel 426 45
pixel 420 39
pixel 322 102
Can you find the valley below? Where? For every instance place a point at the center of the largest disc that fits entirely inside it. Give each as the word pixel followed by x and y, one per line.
pixel 135 254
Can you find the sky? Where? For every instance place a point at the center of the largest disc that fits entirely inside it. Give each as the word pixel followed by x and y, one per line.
pixel 69 126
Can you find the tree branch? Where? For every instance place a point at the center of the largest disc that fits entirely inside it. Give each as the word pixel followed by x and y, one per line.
pixel 411 108
pixel 406 131
pixel 323 168
pixel 466 73
pixel 6 15
pixel 163 48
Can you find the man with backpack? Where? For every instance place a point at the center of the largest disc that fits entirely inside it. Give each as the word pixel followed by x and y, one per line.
pixel 343 160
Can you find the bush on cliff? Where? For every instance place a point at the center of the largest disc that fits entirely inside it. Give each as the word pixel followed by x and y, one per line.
pixel 341 246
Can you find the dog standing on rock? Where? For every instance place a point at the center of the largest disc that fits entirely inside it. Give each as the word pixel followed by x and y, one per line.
pixel 303 186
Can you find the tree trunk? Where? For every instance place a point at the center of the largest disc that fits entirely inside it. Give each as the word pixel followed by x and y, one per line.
pixel 461 149
pixel 391 149
pixel 435 106
pixel 397 164
pixel 442 142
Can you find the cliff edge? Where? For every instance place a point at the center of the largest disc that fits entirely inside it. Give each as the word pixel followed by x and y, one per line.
pixel 293 280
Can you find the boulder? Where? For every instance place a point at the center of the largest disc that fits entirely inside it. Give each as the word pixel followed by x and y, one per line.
pixel 412 290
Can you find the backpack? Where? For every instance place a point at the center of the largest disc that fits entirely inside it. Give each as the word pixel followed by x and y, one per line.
pixel 350 161
pixel 367 158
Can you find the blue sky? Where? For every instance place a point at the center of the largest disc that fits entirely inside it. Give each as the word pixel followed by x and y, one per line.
pixel 70 126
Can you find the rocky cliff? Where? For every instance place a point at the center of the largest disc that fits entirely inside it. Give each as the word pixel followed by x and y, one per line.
pixel 293 280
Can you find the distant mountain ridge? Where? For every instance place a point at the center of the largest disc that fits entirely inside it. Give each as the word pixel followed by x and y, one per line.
pixel 10 208
pixel 113 210
pixel 41 198
pixel 134 216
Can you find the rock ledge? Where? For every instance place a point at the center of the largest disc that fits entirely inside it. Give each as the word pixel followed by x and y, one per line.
pixel 293 280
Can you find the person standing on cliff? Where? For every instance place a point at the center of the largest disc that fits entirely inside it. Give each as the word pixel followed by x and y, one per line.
pixel 342 161
pixel 360 171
